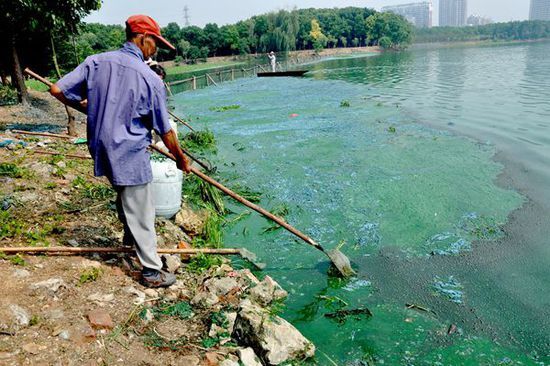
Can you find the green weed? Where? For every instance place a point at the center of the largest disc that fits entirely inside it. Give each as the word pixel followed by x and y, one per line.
pixel 18 260
pixel 225 108
pixel 200 140
pixel 10 227
pixel 345 104
pixel 203 262
pixel 13 171
pixel 392 129
pixel 90 275
pixel 180 310
pixel 94 191
pixel 281 211
pixel 152 339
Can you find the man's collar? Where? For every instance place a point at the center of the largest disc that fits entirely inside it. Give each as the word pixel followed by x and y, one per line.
pixel 131 48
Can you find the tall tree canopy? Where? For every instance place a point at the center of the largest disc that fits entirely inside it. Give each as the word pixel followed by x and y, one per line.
pixel 29 25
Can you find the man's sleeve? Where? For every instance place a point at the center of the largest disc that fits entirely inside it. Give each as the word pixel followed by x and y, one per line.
pixel 74 84
pixel 161 123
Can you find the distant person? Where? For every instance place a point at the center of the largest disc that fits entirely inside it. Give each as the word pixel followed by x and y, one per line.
pixel 273 60
pixel 126 100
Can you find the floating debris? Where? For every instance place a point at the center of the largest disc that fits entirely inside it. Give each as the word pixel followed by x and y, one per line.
pixel 341 316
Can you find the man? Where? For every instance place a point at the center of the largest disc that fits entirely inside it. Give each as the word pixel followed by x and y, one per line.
pixel 273 60
pixel 125 101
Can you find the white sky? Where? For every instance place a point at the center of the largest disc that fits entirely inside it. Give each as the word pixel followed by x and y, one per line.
pixel 228 12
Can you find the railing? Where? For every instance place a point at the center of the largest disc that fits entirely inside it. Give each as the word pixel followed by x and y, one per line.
pixel 214 78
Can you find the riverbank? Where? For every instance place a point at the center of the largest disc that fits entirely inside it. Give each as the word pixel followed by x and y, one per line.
pixel 429 45
pixel 92 309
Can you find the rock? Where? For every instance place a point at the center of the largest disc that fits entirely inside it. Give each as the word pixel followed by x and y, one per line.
pixel 86 263
pixel 52 285
pixel 249 277
pixel 55 314
pixel 20 315
pixel 190 221
pixel 216 330
pixel 61 164
pixel 189 361
pixel 171 262
pixel 134 291
pixel 221 286
pixel 21 273
pixel 248 357
pixel 65 335
pixel 212 359
pixel 267 292
pixel 101 299
pixel 229 362
pixel 33 348
pixel 274 339
pixel 205 299
pixel 152 293
pixel 100 319
pixel 148 316
pixel 73 243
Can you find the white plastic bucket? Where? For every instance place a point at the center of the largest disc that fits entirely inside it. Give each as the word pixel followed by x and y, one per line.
pixel 167 181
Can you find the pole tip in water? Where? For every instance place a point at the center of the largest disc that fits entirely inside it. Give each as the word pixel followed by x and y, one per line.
pixel 341 262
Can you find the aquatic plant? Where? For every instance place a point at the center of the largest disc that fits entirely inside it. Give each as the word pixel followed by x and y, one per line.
pixel 225 108
pixel 345 104
pixel 199 140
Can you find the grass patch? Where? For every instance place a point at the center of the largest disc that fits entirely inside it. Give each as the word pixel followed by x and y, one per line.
pixel 90 275
pixel 13 171
pixel 152 339
pixel 203 262
pixel 94 191
pixel 18 260
pixel 10 227
pixel 182 310
pixel 225 108
pixel 36 85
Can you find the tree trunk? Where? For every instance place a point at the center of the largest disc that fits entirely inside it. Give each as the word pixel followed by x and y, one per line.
pixel 5 80
pixel 18 80
pixel 71 122
pixel 76 58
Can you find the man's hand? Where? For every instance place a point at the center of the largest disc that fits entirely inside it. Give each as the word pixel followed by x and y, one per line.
pixel 183 163
pixel 171 142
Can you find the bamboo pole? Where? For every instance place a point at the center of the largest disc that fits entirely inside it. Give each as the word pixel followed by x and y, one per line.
pixel 181 120
pixel 188 251
pixel 44 134
pixel 232 74
pixel 194 83
pixel 67 155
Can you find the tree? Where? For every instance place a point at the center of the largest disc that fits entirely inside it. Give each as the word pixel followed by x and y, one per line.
pixel 22 21
pixel 316 34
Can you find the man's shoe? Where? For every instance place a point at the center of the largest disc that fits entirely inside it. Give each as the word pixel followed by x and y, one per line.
pixel 152 278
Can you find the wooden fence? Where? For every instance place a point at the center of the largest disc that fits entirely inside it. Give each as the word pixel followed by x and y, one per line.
pixel 216 77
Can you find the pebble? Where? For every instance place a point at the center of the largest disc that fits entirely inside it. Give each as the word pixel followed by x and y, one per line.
pixel 53 284
pixel 21 315
pixel 100 319
pixel 151 293
pixel 21 273
pixel 73 243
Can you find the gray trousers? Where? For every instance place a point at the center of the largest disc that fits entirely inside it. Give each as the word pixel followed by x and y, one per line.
pixel 136 211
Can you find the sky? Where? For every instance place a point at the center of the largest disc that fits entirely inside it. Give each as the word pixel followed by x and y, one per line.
pixel 223 12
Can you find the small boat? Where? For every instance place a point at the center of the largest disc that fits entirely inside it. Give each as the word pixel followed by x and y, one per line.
pixel 282 73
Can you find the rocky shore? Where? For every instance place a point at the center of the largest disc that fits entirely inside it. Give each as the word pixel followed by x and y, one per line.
pixel 75 310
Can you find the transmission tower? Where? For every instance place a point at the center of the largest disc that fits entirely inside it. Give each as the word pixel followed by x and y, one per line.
pixel 186 16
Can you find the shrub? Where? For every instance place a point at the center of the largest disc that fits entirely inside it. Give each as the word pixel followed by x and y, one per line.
pixel 8 95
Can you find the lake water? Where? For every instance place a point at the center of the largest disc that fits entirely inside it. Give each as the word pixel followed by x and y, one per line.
pixel 430 168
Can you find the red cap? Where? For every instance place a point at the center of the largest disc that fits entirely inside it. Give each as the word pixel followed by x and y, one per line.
pixel 143 24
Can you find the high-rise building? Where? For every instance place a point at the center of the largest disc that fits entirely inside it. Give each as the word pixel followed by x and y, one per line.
pixel 540 10
pixel 453 13
pixel 419 14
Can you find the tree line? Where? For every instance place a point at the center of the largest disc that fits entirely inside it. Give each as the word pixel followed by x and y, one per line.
pixel 511 31
pixel 50 37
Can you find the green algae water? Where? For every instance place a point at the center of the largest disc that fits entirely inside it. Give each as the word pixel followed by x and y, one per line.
pixel 429 169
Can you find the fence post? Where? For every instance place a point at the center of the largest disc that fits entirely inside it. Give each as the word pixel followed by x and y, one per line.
pixel 194 82
pixel 232 74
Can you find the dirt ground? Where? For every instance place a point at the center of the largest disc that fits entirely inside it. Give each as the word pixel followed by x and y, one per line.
pixel 74 310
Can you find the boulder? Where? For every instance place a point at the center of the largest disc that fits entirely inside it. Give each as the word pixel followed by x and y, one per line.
pixel 248 357
pixel 274 339
pixel 190 221
pixel 267 292
pixel 221 286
